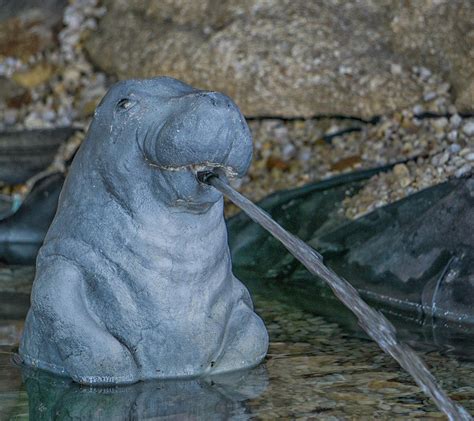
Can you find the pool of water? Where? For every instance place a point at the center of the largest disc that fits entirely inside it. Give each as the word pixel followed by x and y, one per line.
pixel 314 370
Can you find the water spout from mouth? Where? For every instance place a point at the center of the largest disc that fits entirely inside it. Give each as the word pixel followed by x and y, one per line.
pixel 204 176
pixel 372 321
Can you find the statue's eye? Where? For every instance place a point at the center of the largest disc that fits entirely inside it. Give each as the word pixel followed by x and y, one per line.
pixel 125 104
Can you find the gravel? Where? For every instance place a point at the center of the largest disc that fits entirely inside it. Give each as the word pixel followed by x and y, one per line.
pixel 63 85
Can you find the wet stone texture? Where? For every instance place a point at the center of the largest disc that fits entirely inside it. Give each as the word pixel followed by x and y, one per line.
pixel 314 369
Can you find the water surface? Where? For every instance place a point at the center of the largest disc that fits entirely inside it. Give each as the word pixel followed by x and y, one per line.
pixel 314 370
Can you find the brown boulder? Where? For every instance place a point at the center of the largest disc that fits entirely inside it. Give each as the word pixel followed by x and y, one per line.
pixel 290 58
pixel 28 27
pixel 439 35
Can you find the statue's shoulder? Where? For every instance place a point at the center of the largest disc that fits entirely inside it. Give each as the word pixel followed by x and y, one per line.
pixel 66 249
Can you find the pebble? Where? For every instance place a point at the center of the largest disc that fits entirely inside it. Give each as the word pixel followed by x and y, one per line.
pixel 10 116
pixel 418 109
pixel 424 73
pixel 429 96
pixel 454 148
pixel 395 68
pixel 444 158
pixel 288 151
pixel 440 123
pixel 401 170
pixel 464 170
pixel 453 135
pixel 405 182
pixel 468 128
pixel 455 120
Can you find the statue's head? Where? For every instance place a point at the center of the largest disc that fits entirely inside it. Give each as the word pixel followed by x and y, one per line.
pixel 175 131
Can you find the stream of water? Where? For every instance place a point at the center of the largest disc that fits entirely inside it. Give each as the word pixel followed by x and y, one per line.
pixel 373 322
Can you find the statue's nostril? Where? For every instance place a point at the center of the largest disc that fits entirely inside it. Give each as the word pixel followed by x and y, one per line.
pixel 212 98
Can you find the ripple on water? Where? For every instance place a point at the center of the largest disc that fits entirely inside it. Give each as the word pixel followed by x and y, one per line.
pixel 313 369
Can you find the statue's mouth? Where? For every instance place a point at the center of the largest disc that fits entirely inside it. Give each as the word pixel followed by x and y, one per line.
pixel 182 149
pixel 204 167
pixel 188 187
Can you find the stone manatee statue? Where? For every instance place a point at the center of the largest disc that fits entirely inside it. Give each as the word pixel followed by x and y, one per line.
pixel 134 279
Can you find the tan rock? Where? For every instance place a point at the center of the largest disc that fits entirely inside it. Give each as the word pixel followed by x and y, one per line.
pixel 27 28
pixel 274 58
pixel 295 58
pixel 401 170
pixel 35 76
pixel 440 36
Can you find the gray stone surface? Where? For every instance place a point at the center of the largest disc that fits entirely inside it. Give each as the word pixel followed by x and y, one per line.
pixel 134 280
pixel 295 58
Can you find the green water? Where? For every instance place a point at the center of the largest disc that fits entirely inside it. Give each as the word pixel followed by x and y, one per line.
pixel 314 370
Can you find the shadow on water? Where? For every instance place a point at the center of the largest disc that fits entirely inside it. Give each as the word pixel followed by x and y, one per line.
pixel 51 397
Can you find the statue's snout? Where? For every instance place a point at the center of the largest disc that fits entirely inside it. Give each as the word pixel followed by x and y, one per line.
pixel 207 128
pixel 215 99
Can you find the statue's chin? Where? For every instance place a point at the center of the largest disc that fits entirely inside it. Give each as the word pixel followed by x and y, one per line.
pixel 182 191
pixel 193 207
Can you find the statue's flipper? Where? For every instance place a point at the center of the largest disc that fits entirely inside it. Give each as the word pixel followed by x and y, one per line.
pixel 83 348
pixel 248 344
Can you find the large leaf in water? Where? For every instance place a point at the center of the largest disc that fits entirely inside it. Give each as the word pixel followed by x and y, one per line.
pixel 412 259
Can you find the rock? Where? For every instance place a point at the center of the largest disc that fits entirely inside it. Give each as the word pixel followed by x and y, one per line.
pixel 293 58
pixel 35 76
pixel 464 170
pixel 453 135
pixel 401 170
pixel 28 27
pixel 12 94
pixel 468 128
pixel 444 158
pixel 438 35
pixel 454 148
pixel 455 120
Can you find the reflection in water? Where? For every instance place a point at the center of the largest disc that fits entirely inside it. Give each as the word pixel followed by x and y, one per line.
pixel 52 397
pixel 315 371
